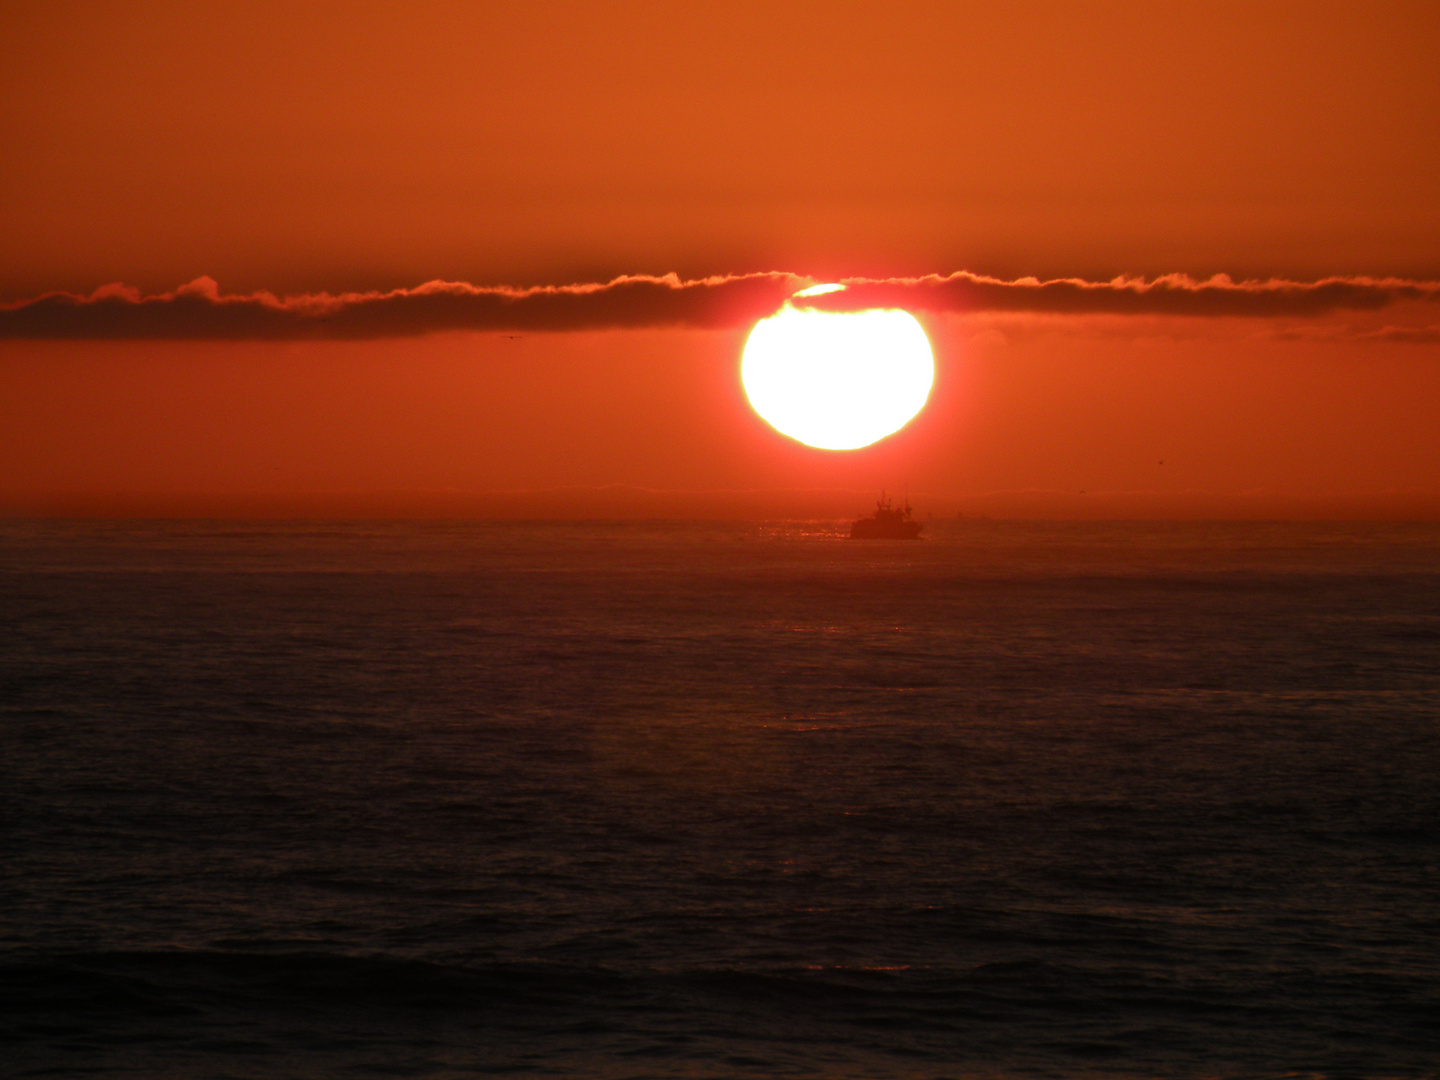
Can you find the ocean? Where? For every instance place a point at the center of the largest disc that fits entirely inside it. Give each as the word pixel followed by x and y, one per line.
pixel 719 800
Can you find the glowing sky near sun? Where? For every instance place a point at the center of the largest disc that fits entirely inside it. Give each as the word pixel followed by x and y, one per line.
pixel 455 250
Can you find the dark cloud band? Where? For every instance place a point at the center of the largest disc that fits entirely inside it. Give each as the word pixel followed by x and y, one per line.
pixel 199 311
pixel 1172 295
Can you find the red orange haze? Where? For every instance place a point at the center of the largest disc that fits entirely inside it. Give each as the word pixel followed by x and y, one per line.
pixel 1053 190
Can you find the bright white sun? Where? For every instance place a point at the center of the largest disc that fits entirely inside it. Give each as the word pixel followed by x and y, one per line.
pixel 837 380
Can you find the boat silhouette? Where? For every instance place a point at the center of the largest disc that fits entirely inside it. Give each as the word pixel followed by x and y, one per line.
pixel 887 523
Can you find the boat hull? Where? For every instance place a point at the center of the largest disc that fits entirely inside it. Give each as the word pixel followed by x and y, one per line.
pixel 870 529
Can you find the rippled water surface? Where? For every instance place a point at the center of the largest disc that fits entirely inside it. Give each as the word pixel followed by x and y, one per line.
pixel 719 800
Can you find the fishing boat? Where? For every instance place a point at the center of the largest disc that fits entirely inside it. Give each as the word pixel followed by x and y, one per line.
pixel 887 523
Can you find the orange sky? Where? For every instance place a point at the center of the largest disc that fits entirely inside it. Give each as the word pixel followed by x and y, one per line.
pixel 329 148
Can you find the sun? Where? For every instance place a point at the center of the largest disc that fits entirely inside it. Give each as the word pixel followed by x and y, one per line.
pixel 837 380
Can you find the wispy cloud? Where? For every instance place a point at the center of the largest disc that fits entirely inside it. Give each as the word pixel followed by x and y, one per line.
pixel 200 311
pixel 1173 294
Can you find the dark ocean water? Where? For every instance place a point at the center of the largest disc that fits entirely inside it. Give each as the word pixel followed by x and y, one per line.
pixel 719 801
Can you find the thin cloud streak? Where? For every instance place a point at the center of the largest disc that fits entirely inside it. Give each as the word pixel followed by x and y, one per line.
pixel 1173 294
pixel 1401 335
pixel 199 311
